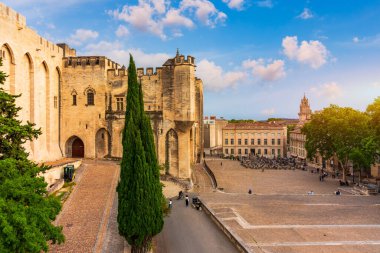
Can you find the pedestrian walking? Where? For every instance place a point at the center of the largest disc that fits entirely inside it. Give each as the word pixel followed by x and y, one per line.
pixel 187 200
pixel 170 203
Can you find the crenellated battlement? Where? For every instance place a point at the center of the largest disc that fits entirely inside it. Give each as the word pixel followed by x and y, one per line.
pixel 180 59
pixel 84 61
pixel 67 51
pixel 120 72
pixel 12 16
pixel 149 71
pixel 89 61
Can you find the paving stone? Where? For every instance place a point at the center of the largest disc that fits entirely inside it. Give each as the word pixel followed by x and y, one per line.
pixel 85 215
pixel 281 217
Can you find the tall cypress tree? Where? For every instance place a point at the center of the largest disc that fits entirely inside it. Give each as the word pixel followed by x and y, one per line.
pixel 140 214
pixel 26 212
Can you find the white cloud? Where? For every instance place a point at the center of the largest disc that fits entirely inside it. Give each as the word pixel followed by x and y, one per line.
pixel 215 78
pixel 312 53
pixel 270 72
pixel 235 4
pixel 306 14
pixel 116 52
pixel 159 5
pixel 370 41
pixel 155 16
pixel 174 18
pixel 265 3
pixel 268 112
pixel 122 31
pixel 376 84
pixel 329 91
pixel 82 35
pixel 177 34
pixel 204 10
pixel 141 17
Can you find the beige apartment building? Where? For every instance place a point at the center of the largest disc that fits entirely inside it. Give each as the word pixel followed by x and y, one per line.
pixel 79 102
pixel 213 136
pixel 266 139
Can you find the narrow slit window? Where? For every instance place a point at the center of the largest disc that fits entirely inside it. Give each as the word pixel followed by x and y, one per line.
pixel 74 99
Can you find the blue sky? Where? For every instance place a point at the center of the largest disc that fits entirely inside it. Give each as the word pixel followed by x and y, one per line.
pixel 256 57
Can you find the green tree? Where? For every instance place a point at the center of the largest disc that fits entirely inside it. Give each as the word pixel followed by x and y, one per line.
pixel 241 121
pixel 373 111
pixel 140 213
pixel 26 212
pixel 274 119
pixel 336 131
pixel 364 155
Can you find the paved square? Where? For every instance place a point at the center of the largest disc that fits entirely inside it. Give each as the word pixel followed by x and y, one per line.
pixel 281 217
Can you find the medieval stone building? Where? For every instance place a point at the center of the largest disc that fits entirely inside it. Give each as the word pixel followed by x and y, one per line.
pixel 297 139
pixel 79 102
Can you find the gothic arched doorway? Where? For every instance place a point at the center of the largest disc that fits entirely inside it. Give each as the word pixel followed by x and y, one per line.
pixel 78 148
pixel 74 147
pixel 102 139
pixel 171 151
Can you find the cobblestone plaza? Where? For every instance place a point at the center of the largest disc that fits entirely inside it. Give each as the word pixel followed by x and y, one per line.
pixel 281 217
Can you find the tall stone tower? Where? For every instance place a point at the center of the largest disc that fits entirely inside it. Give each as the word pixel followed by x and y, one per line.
pixel 179 107
pixel 305 111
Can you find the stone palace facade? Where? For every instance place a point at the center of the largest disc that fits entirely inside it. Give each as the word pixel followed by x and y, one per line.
pixel 79 101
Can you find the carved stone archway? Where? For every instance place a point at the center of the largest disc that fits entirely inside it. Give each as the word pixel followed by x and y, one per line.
pixel 171 153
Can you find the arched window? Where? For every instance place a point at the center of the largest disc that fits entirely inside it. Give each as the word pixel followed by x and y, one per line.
pixel 90 93
pixel 90 97
pixel 74 95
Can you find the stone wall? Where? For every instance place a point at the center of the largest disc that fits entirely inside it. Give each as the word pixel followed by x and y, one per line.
pixel 173 99
pixel 79 101
pixel 34 67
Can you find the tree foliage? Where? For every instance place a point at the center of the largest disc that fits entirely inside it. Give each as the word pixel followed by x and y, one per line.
pixel 241 121
pixel 373 111
pixel 26 212
pixel 140 214
pixel 341 131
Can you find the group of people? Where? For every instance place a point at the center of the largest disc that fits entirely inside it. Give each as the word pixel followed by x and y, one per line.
pixel 322 176
pixel 337 192
pixel 261 162
pixel 180 196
